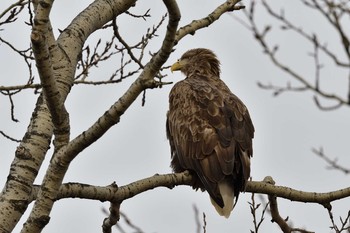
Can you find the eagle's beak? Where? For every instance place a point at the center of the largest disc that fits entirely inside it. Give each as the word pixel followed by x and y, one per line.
pixel 176 66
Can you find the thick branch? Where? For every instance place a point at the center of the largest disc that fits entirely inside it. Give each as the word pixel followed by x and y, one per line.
pixel 53 68
pixel 61 160
pixel 282 223
pixel 29 156
pixel 297 195
pixel 276 217
pixel 48 82
pixel 114 193
pixel 51 64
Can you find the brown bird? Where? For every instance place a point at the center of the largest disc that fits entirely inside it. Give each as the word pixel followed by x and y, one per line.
pixel 209 130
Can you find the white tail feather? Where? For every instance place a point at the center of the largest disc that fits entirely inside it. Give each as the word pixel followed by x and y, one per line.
pixel 228 197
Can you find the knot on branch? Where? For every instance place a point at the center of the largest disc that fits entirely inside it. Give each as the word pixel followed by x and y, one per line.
pixel 23 153
pixel 269 180
pixel 114 185
pixel 37 37
pixel 237 8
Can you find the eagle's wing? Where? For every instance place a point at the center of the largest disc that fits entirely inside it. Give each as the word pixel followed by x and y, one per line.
pixel 210 133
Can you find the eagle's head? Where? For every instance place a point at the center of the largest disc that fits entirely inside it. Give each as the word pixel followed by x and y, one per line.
pixel 198 61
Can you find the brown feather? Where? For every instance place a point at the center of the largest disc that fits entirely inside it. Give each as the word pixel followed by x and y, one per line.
pixel 209 128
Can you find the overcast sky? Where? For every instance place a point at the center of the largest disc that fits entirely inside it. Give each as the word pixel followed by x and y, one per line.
pixel 287 127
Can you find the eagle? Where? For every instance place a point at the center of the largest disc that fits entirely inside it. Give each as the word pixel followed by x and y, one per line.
pixel 209 130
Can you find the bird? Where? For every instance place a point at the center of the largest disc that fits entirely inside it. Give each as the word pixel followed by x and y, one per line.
pixel 209 129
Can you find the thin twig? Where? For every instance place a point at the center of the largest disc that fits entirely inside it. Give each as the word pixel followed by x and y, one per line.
pixel 9 137
pixel 332 163
pixel 196 218
pixel 253 210
pixel 271 51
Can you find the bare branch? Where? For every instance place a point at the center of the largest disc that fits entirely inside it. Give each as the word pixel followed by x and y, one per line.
pixel 195 25
pixel 113 193
pixel 117 194
pixel 130 224
pixel 277 90
pixel 15 9
pixel 332 163
pixel 196 218
pixel 345 224
pixel 9 137
pixel 253 210
pixel 93 59
pixel 26 152
pixel 270 51
pixel 312 38
pixel 334 18
pixel 276 217
pixel 113 217
pixel 27 55
pixel 44 65
pixel 126 46
pixel 10 94
pixel 282 223
pixel 144 16
pixel 42 39
pixel 326 108
pixel 204 223
pixel 63 157
pixel 297 195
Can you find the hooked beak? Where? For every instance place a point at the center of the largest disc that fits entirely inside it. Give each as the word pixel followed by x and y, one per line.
pixel 176 66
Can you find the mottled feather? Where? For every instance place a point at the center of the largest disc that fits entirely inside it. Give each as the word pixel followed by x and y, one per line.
pixel 209 128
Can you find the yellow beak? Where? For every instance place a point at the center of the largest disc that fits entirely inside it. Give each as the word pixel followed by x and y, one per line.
pixel 176 66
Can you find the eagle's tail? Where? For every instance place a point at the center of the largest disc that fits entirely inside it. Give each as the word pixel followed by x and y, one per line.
pixel 228 197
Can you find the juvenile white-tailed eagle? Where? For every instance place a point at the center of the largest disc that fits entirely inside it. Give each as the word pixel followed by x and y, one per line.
pixel 209 130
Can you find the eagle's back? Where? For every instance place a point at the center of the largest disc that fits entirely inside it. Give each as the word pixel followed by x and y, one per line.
pixel 210 134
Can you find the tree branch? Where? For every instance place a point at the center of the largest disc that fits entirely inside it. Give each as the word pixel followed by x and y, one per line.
pixel 333 163
pixel 57 62
pixel 153 67
pixel 229 5
pixel 46 74
pixel 114 193
pixel 14 12
pixel 28 158
pixel 282 223
pixel 312 38
pixel 345 226
pixel 297 195
pixel 334 18
pixel 112 219
pixel 253 210
pixel 271 52
pixel 59 163
pixel 42 39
